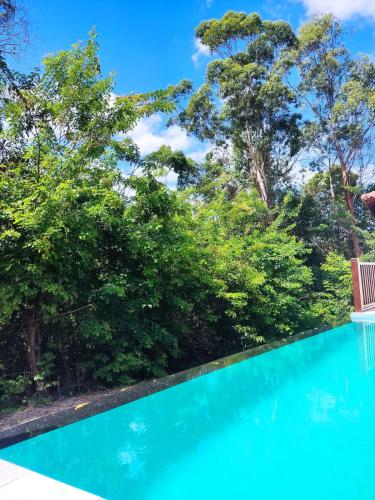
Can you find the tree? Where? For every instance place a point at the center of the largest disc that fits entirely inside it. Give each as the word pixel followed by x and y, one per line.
pixel 165 160
pixel 13 27
pixel 61 202
pixel 324 222
pixel 332 304
pixel 339 92
pixel 245 103
pixel 13 35
pixel 259 266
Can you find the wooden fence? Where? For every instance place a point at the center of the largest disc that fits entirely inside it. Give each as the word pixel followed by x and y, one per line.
pixel 363 285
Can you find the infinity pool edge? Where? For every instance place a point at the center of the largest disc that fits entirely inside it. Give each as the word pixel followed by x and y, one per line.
pixel 27 429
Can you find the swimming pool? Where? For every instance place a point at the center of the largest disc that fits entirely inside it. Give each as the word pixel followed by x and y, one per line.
pixel 293 423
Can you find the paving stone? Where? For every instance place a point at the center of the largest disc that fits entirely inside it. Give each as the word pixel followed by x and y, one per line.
pixel 18 483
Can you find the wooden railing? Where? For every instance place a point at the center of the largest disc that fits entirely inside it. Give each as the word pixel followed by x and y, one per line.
pixel 363 285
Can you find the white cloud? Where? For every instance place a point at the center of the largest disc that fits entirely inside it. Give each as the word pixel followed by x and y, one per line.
pixel 170 179
pixel 201 51
pixel 343 9
pixel 367 176
pixel 200 154
pixel 301 174
pixel 205 4
pixel 151 133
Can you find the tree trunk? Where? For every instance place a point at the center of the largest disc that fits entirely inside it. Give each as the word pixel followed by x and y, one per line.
pixel 331 186
pixel 256 170
pixel 68 377
pixel 262 187
pixel 33 347
pixel 350 206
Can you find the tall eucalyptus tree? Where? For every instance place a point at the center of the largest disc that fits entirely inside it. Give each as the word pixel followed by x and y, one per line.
pixel 244 102
pixel 340 95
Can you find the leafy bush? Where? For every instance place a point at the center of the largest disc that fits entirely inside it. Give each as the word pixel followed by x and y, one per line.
pixel 13 391
pixel 333 303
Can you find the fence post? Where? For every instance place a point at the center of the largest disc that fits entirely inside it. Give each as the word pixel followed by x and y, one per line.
pixel 356 285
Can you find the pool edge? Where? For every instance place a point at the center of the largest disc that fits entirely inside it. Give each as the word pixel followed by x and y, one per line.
pixel 118 397
pixel 15 481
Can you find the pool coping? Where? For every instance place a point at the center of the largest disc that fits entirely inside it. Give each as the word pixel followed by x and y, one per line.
pixel 18 483
pixel 27 429
pixel 363 317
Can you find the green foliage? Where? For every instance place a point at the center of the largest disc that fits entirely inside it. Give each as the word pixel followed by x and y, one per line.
pixel 369 255
pixel 12 390
pixel 245 99
pixel 259 267
pixel 324 222
pixel 165 160
pixel 46 368
pixel 72 244
pixel 333 304
pixel 340 92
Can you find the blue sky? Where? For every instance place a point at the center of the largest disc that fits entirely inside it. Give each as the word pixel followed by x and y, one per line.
pixel 150 43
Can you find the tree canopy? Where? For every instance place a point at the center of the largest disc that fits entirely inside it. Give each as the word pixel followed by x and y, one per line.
pixel 245 101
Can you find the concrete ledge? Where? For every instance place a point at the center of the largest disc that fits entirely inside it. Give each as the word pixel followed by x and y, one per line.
pixel 17 483
pixel 360 317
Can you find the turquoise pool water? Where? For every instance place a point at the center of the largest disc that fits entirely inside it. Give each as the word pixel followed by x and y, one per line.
pixel 294 423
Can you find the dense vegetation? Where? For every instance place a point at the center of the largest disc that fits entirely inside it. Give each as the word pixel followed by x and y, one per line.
pixel 107 276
